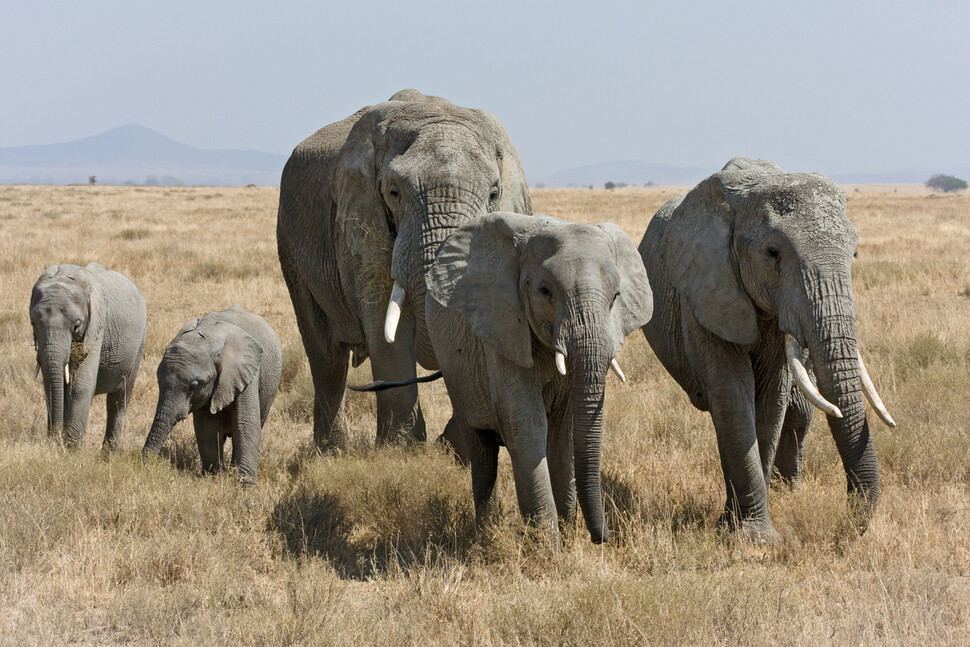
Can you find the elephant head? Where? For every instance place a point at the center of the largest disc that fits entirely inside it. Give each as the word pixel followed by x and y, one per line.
pixel 411 171
pixel 528 282
pixel 66 314
pixel 758 243
pixel 204 366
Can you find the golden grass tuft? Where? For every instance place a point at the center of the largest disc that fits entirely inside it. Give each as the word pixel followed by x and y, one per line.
pixel 379 545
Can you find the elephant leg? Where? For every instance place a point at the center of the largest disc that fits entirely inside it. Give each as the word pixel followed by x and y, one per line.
pixel 117 403
pixel 521 415
pixel 725 375
pixel 772 386
pixel 399 415
pixel 209 436
pixel 791 444
pixel 562 463
pixel 483 456
pixel 328 368
pixel 456 439
pixel 246 431
pixel 78 402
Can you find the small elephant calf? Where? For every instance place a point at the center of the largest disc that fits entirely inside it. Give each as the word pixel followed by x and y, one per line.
pixel 225 370
pixel 89 330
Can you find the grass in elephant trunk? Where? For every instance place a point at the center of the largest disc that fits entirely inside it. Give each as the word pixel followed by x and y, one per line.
pixel 378 546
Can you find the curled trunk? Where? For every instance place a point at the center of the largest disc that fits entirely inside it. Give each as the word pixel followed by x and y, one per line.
pixel 165 420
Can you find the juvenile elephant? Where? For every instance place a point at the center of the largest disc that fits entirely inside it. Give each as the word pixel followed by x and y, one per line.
pixel 224 369
pixel 364 204
pixel 526 314
pixel 749 269
pixel 89 328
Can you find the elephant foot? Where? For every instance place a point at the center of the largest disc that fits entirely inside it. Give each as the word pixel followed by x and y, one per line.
pixel 757 529
pixel 405 434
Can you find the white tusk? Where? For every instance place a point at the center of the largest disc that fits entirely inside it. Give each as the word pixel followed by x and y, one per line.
pixel 67 374
pixel 869 390
pixel 561 363
pixel 615 365
pixel 36 370
pixel 393 312
pixel 794 353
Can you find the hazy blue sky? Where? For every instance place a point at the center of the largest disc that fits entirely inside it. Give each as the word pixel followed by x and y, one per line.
pixel 830 86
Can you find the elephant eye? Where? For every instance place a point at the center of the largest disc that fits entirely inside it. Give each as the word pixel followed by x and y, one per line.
pixel 193 385
pixel 772 250
pixel 394 192
pixel 545 291
pixel 493 195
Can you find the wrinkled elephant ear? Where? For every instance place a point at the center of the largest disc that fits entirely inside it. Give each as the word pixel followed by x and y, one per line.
pixel 49 273
pixel 237 364
pixel 191 325
pixel 360 212
pixel 697 252
pixel 90 295
pixel 634 303
pixel 476 273
pixel 750 164
pixel 515 196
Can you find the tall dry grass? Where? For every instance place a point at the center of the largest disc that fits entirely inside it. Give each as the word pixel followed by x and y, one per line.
pixel 378 545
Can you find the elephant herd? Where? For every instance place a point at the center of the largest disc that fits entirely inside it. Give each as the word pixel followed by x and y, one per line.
pixel 406 235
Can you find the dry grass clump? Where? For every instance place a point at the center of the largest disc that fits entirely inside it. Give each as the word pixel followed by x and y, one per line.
pixel 378 546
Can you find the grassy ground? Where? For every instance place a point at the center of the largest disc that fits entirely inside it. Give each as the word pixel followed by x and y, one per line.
pixel 378 546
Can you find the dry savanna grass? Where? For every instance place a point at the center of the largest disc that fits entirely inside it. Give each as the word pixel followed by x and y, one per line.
pixel 378 545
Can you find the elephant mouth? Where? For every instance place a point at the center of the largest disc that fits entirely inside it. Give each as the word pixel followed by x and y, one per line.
pixel 793 353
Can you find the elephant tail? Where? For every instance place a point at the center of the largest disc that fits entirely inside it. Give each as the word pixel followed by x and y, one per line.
pixel 381 385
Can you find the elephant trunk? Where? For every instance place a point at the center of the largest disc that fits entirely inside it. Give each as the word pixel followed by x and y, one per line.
pixel 53 357
pixel 588 362
pixel 834 350
pixel 440 211
pixel 166 417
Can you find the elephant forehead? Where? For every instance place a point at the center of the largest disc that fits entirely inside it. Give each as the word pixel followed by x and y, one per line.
pixel 53 295
pixel 181 352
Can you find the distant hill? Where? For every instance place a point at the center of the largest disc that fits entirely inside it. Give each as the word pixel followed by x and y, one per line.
pixel 633 172
pixel 637 173
pixel 138 155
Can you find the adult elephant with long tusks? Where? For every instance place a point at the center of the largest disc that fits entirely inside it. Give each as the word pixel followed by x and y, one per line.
pixel 364 205
pixel 527 315
pixel 751 271
pixel 224 369
pixel 89 328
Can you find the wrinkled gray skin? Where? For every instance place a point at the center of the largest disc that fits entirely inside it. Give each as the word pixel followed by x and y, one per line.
pixel 752 253
pixel 366 201
pixel 94 321
pixel 504 293
pixel 224 369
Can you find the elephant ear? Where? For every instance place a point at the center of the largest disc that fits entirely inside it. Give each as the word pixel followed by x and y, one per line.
pixel 237 364
pixel 191 325
pixel 698 253
pixel 515 189
pixel 360 211
pixel 90 292
pixel 476 273
pixel 634 303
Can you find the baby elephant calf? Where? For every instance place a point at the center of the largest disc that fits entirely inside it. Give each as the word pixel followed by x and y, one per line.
pixel 225 370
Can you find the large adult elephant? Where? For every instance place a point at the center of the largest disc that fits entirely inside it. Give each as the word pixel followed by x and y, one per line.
pixel 749 269
pixel 89 327
pixel 527 314
pixel 364 205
